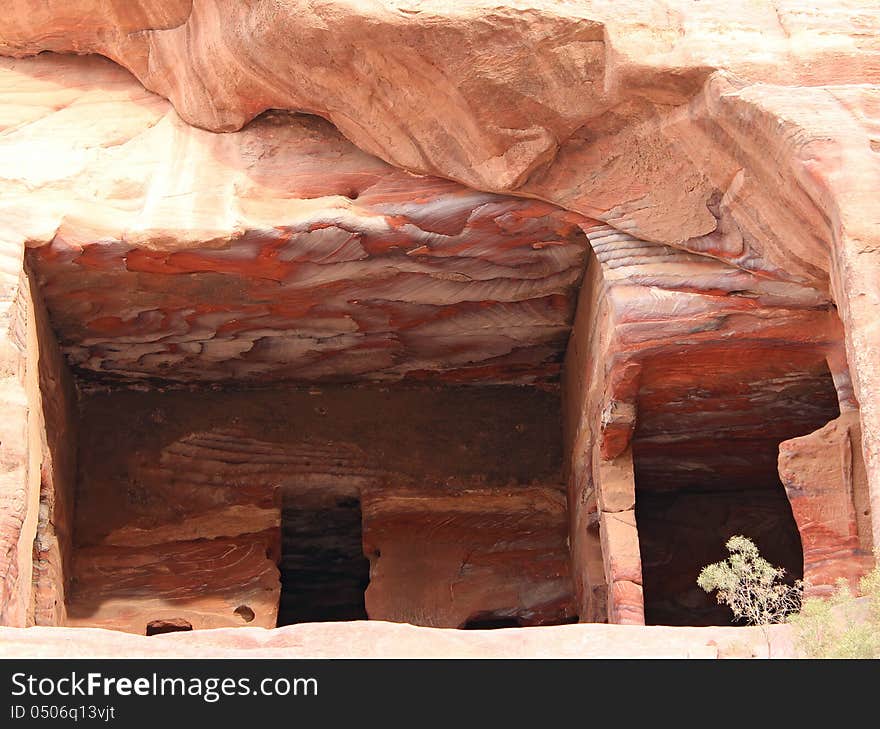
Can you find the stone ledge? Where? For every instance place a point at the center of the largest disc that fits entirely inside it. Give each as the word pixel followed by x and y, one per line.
pixel 375 639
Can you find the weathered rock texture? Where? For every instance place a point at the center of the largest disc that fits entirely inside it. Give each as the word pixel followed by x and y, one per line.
pixel 52 423
pixel 824 477
pixel 468 558
pixel 739 364
pixel 22 447
pixel 279 253
pixel 708 181
pixel 181 495
pixel 376 639
pixel 206 583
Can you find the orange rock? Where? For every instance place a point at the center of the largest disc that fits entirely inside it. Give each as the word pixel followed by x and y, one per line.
pixel 824 477
pixel 186 222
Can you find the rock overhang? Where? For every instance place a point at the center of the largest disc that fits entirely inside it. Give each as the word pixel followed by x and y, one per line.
pixel 724 176
pixel 280 253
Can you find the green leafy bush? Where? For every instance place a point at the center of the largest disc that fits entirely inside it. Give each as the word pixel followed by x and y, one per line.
pixel 842 626
pixel 750 586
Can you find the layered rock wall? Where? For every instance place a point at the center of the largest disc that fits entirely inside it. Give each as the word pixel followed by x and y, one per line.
pixel 714 177
pixel 824 477
pixel 280 253
pixel 193 506
pixel 468 558
pixel 53 425
pixel 22 449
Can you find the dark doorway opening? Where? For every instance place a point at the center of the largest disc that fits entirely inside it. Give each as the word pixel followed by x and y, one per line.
pixel 323 569
pixel 705 459
pixel 680 533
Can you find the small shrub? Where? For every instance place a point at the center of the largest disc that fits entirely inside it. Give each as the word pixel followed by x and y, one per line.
pixel 750 586
pixel 842 626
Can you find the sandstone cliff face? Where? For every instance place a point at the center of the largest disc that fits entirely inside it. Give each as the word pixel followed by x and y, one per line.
pixel 294 256
pixel 668 210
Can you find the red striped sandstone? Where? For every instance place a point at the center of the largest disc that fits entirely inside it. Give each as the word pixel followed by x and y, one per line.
pixel 724 172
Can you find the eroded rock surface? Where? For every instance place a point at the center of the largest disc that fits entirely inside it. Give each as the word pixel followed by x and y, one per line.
pixel 478 557
pixel 377 639
pixel 187 501
pixel 278 253
pixel 824 477
pixel 187 225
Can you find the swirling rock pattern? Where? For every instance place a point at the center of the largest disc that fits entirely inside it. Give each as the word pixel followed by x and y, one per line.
pixel 183 511
pixel 279 253
pixel 716 178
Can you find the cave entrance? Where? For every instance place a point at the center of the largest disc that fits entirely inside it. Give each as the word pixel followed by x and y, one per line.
pixel 705 462
pixel 324 572
pixel 258 411
pixel 206 508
